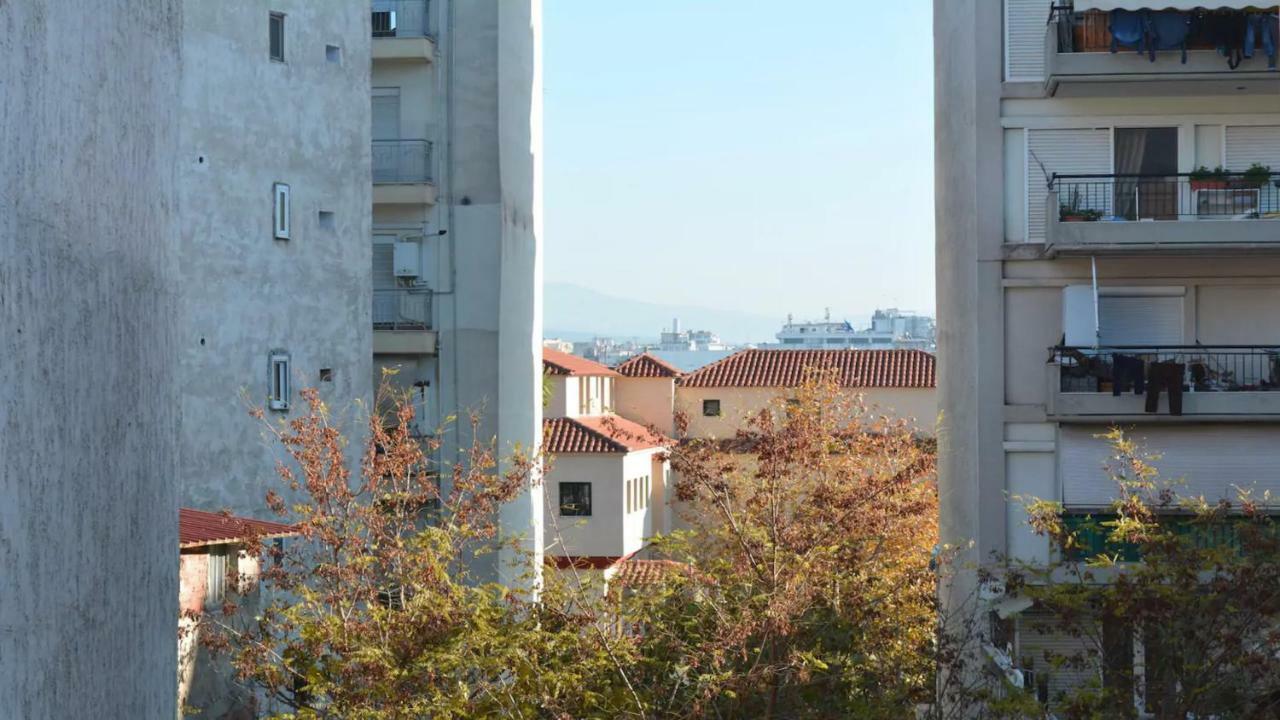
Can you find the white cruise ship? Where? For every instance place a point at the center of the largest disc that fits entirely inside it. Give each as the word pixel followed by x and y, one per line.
pixel 890 329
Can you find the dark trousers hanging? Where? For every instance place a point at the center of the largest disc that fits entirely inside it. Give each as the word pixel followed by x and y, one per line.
pixel 1127 372
pixel 1166 376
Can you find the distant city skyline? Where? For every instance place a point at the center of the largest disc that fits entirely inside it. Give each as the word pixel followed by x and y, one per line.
pixel 691 161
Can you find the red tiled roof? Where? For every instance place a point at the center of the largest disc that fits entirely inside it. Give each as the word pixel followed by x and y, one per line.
pixel 647 366
pixel 598 434
pixel 787 368
pixel 640 573
pixel 555 362
pixel 197 528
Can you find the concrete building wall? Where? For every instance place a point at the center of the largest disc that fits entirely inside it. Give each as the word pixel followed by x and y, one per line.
pixel 248 122
pixel 206 680
pixel 610 531
pixel 648 401
pixel 88 404
pixel 738 405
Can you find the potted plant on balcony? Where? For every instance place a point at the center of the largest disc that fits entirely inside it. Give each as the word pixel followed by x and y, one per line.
pixel 1257 175
pixel 1202 178
pixel 1071 211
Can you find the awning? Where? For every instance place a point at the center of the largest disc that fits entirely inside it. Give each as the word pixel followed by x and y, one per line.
pixel 1082 5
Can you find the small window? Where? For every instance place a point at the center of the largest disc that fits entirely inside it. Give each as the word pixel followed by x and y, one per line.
pixel 326 374
pixel 280 208
pixel 326 221
pixel 575 499
pixel 333 53
pixel 216 592
pixel 627 492
pixel 277 36
pixel 279 395
pixel 711 408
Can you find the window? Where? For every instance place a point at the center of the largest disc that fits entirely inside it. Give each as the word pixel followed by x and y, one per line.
pixel 575 499
pixel 280 209
pixel 279 395
pixel 333 53
pixel 277 36
pixel 711 408
pixel 627 492
pixel 216 592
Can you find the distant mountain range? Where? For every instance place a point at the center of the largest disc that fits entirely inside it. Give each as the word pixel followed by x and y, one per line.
pixel 572 312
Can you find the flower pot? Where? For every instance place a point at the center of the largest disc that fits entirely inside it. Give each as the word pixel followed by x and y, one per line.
pixel 1074 218
pixel 1210 184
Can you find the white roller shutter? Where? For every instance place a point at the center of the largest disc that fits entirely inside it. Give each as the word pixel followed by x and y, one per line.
pixel 1070 152
pixel 1025 24
pixel 1038 635
pixel 1126 320
pixel 1201 460
pixel 386 113
pixel 1247 145
pixel 384 277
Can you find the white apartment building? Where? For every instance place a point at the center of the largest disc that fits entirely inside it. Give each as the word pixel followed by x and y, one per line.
pixel 1080 244
pixel 457 221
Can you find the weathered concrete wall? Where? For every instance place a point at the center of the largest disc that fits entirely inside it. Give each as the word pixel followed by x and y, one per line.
pixel 248 122
pixel 88 384
pixel 491 324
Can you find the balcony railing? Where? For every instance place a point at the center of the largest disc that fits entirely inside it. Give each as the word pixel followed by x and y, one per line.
pixel 1204 368
pixel 401 161
pixel 1165 33
pixel 402 309
pixel 401 18
pixel 1183 196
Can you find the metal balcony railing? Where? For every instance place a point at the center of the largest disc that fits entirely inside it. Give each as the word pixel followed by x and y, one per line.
pixel 401 161
pixel 1163 38
pixel 1206 368
pixel 1183 196
pixel 401 18
pixel 402 309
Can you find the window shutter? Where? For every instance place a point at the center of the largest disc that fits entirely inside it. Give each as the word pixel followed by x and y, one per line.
pixel 280 208
pixel 1125 320
pixel 1247 145
pixel 1025 33
pixel 1078 316
pixel 386 113
pixel 1065 152
pixel 384 277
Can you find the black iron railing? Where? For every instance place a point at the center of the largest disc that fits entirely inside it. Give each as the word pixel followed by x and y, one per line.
pixel 1213 195
pixel 1163 33
pixel 401 18
pixel 1205 368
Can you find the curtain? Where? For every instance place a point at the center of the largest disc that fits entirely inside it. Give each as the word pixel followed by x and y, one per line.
pixel 1131 148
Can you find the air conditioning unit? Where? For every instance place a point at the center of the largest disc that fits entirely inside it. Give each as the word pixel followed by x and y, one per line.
pixel 407 259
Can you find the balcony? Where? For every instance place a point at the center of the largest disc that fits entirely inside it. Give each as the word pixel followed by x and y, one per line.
pixel 1079 61
pixel 1229 383
pixel 402 31
pixel 402 173
pixel 402 322
pixel 1189 212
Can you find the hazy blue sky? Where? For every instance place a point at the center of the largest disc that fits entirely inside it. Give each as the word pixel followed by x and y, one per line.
pixel 763 156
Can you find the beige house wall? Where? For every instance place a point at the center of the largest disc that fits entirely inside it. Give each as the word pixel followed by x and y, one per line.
pixel 648 401
pixel 737 405
pixel 610 531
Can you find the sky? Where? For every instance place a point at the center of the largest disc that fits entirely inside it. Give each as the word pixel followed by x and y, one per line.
pixel 741 154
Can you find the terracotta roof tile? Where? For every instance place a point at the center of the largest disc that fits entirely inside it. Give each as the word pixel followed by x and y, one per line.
pixel 598 434
pixel 637 573
pixel 555 362
pixel 197 528
pixel 647 366
pixel 787 368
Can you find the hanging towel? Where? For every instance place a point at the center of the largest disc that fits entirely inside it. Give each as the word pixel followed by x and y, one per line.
pixel 1170 31
pixel 1131 28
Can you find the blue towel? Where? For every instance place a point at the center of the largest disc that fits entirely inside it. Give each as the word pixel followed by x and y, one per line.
pixel 1169 31
pixel 1130 28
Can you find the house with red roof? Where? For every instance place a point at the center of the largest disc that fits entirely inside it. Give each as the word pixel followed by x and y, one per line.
pixel 646 391
pixel 607 488
pixel 217 563
pixel 717 399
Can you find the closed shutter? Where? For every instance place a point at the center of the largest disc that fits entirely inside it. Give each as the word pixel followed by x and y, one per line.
pixel 1249 145
pixel 1199 460
pixel 1140 320
pixel 386 113
pixel 1025 31
pixel 1043 648
pixel 1065 152
pixel 384 277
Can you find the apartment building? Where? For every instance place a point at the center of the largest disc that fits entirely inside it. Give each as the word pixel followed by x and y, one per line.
pixel 456 202
pixel 1108 253
pixel 274 205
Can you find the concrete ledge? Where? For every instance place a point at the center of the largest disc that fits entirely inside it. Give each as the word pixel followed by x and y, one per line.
pixel 1196 407
pixel 405 342
pixel 404 48
pixel 1185 236
pixel 404 194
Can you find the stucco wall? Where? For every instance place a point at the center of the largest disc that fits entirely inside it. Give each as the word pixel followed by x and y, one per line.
pixel 648 401
pixel 248 122
pixel 206 681
pixel 88 388
pixel 739 404
pixel 610 531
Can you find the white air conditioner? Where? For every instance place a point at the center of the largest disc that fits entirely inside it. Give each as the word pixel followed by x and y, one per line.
pixel 407 259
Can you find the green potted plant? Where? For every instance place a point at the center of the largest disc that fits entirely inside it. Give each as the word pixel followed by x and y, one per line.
pixel 1257 175
pixel 1202 178
pixel 1070 211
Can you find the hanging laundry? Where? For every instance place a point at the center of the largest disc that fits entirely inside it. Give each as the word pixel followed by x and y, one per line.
pixel 1131 28
pixel 1225 31
pixel 1262 30
pixel 1169 31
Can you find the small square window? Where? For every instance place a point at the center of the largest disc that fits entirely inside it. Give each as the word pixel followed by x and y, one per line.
pixel 278 398
pixel 711 408
pixel 575 499
pixel 277 36
pixel 326 220
pixel 326 374
pixel 333 53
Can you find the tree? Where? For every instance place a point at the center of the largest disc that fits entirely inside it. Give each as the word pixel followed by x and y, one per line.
pixel 1192 583
pixel 809 591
